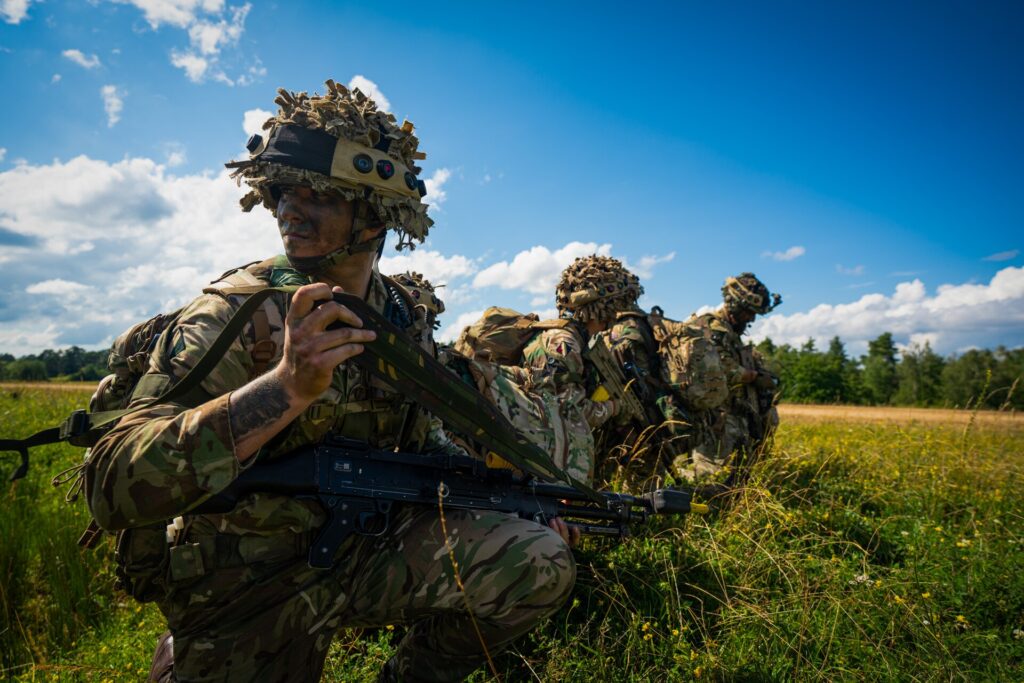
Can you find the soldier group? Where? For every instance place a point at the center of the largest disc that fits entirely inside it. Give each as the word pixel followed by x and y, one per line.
pixel 607 385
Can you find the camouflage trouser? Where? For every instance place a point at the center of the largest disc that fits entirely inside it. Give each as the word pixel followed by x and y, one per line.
pixel 716 448
pixel 274 621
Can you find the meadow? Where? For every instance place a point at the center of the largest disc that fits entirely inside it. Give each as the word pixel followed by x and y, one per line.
pixel 862 549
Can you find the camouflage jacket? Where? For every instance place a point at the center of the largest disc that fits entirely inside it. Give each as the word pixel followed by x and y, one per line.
pixel 159 462
pixel 731 352
pixel 633 341
pixel 555 361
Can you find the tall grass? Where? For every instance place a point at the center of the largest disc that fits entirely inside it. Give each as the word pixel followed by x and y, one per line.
pixel 856 552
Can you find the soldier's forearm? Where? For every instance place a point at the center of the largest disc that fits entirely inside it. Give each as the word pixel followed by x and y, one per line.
pixel 259 410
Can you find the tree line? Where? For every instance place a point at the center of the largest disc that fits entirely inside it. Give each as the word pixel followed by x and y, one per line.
pixel 71 364
pixel 886 375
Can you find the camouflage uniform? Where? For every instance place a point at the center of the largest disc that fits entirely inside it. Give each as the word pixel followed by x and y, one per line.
pixel 653 447
pixel 734 418
pixel 236 589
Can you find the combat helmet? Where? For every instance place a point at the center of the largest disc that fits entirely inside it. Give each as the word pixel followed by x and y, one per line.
pixel 745 291
pixel 596 288
pixel 339 142
pixel 422 291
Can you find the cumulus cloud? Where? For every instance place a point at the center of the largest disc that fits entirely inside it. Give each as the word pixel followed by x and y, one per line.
pixel 3 153
pixel 1002 255
pixel 371 90
pixel 81 59
pixel 644 268
pixel 252 121
pixel 433 265
pixel 153 239
pixel 536 270
pixel 854 271
pixel 57 287
pixel 212 28
pixel 435 188
pixel 193 65
pixel 177 13
pixel 450 332
pixel 14 11
pixel 952 318
pixel 788 255
pixel 174 154
pixel 113 103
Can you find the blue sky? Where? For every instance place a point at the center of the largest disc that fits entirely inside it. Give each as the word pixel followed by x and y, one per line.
pixel 865 161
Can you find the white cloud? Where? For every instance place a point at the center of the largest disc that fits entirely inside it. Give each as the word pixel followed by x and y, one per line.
pixel 435 188
pixel 788 255
pixel 371 90
pixel 175 154
pixel 953 317
pixel 644 268
pixel 193 65
pixel 13 11
pixel 1002 255
pixel 153 240
pixel 81 59
pixel 113 103
pixel 57 287
pixel 451 332
pixel 210 37
pixel 536 270
pixel 252 121
pixel 55 78
pixel 3 153
pixel 855 270
pixel 433 265
pixel 177 13
pixel 212 28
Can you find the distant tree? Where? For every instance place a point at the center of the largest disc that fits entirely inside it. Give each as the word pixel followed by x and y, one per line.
pixel 26 370
pixel 880 381
pixel 919 375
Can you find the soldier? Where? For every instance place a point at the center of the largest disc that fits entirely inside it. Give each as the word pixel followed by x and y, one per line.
pixel 239 597
pixel 732 393
pixel 590 293
pixel 649 444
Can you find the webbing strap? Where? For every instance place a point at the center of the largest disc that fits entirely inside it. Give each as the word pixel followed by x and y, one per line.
pixel 84 426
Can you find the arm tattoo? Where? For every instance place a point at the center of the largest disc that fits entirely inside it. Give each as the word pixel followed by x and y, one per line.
pixel 254 409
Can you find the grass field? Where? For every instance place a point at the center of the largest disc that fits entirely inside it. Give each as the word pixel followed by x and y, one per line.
pixel 872 548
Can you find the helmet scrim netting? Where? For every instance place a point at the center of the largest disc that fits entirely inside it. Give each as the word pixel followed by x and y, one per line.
pixel 596 288
pixel 745 291
pixel 348 115
pixel 422 291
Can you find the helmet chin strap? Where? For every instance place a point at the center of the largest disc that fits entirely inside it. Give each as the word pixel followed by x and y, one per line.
pixel 364 221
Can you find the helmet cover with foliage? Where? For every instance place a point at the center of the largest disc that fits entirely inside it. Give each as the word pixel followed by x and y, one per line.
pixel 745 291
pixel 422 291
pixel 596 288
pixel 340 142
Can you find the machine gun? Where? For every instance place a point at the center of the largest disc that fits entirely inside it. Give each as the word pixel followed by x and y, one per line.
pixel 359 487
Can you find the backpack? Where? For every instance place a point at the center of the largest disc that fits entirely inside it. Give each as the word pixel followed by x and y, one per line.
pixel 690 361
pixel 501 334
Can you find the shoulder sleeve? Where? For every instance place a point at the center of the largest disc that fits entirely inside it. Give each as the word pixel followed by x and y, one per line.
pixel 161 460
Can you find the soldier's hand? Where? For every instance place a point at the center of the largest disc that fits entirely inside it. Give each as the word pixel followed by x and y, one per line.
pixel 311 351
pixel 570 533
pixel 748 376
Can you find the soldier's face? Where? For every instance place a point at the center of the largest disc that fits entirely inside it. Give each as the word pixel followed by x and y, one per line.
pixel 313 223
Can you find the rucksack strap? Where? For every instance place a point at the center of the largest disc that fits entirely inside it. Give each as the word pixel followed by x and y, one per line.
pixel 83 428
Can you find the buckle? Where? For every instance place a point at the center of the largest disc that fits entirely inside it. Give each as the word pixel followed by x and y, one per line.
pixel 76 424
